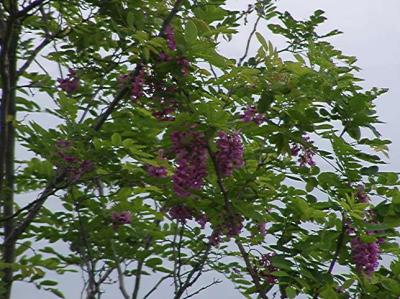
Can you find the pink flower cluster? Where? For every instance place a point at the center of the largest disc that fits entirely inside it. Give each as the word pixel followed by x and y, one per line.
pixel 250 114
pixel 156 171
pixel 184 64
pixel 69 84
pixel 165 114
pixel 121 218
pixel 180 213
pixel 202 219
pixel 75 167
pixel 262 229
pixel 170 37
pixel 305 153
pixel 267 268
pixel 365 255
pixel 215 238
pixel 231 227
pixel 230 153
pixel 361 195
pixel 137 84
pixel 191 156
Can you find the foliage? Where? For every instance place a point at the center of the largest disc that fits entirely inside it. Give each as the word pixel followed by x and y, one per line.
pixel 167 158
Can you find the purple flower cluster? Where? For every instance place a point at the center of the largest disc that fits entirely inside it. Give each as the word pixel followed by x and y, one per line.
pixel 262 229
pixel 191 156
pixel 230 153
pixel 202 219
pixel 120 218
pixel 170 37
pixel 180 213
pixel 305 153
pixel 234 226
pixel 137 84
pixel 267 268
pixel 165 114
pixel 365 255
pixel 74 167
pixel 231 227
pixel 361 195
pixel 156 171
pixel 215 237
pixel 184 64
pixel 250 114
pixel 69 84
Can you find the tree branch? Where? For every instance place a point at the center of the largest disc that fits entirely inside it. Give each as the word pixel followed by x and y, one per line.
pixel 249 41
pixel 203 288
pixel 228 207
pixel 97 126
pixel 197 268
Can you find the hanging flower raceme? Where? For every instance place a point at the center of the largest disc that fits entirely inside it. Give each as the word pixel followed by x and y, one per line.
pixel 365 255
pixel 121 218
pixel 266 268
pixel 69 84
pixel 234 226
pixel 191 156
pixel 202 219
pixel 361 195
pixel 215 238
pixel 137 84
pixel 305 153
pixel 184 64
pixel 180 213
pixel 170 37
pixel 262 229
pixel 73 166
pixel 250 114
pixel 230 153
pixel 156 171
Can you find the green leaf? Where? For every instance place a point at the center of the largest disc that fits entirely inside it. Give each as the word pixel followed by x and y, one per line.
pixel 48 283
pixel 191 32
pixel 291 292
pixel 153 262
pixel 116 139
pixel 262 41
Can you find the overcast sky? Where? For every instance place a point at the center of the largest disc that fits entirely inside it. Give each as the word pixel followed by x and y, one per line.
pixel 371 33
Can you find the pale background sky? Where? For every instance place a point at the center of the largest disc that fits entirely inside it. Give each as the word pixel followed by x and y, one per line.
pixel 371 33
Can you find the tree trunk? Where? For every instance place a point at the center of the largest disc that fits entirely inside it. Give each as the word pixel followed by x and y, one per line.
pixel 8 65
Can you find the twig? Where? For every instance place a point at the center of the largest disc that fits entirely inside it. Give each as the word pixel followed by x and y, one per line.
pixel 203 288
pixel 156 286
pixel 339 245
pixel 27 9
pixel 120 274
pixel 249 40
pixel 139 268
pixel 197 268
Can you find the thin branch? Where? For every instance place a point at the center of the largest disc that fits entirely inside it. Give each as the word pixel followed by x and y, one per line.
pixel 156 286
pixel 338 246
pixel 120 274
pixel 32 57
pixel 147 244
pixel 203 288
pixel 197 268
pixel 249 40
pixel 23 12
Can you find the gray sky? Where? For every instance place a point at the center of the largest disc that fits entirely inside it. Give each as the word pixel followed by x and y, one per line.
pixel 371 33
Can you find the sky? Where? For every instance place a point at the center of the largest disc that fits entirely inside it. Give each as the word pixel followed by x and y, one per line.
pixel 371 32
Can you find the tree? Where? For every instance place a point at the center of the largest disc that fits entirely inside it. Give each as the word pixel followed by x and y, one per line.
pixel 169 159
